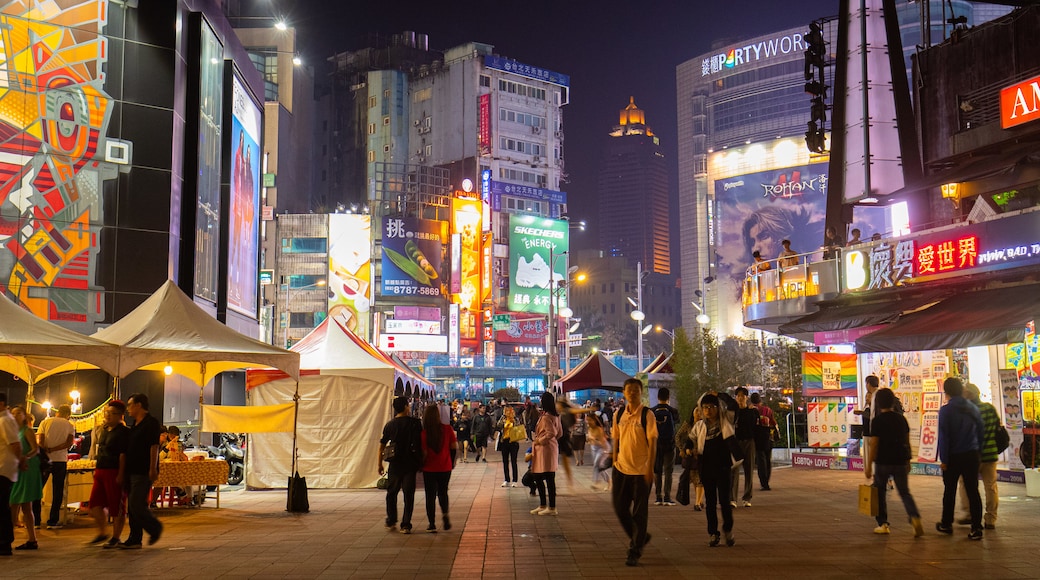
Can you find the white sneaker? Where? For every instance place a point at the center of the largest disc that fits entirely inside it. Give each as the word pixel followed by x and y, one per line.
pixel 538 510
pixel 658 502
pixel 548 512
pixel 513 484
pixel 882 529
pixel 747 504
pixel 505 484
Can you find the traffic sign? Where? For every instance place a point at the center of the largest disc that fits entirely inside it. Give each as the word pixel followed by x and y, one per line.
pixel 502 322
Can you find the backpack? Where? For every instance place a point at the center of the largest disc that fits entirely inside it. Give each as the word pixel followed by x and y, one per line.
pixel 665 425
pixel 1003 439
pixel 617 417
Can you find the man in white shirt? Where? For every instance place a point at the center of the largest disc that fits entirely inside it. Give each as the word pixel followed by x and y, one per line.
pixel 635 447
pixel 55 436
pixel 11 462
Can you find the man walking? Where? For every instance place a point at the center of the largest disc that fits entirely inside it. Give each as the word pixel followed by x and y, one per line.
pixel 747 419
pixel 404 434
pixel 11 462
pixel 988 462
pixel 55 436
pixel 635 444
pixel 142 468
pixel 481 429
pixel 960 439
pixel 664 462
pixel 763 440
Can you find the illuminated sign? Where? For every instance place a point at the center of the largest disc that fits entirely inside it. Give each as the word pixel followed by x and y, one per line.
pixel 526 70
pixel 414 342
pixel 1020 103
pixel 350 271
pixel 453 335
pixel 752 53
pixel 856 272
pixel 536 247
pixel 946 256
pixel 413 326
pixel 412 255
pixel 466 219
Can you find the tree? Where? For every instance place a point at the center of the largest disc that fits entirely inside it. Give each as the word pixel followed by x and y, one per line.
pixel 507 393
pixel 695 363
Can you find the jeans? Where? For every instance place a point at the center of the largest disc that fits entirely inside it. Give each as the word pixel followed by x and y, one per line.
pixel 399 479
pixel 435 484
pixel 664 464
pixel 900 476
pixel 6 523
pixel 141 518
pixel 59 469
pixel 599 473
pixel 764 463
pixel 962 467
pixel 631 495
pixel 509 453
pixel 988 473
pixel 747 446
pixel 546 481
pixel 716 491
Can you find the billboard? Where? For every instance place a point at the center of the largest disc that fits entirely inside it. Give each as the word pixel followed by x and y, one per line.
pixel 535 246
pixel 246 129
pixel 755 212
pixel 466 229
pixel 350 272
pixel 413 251
pixel 208 208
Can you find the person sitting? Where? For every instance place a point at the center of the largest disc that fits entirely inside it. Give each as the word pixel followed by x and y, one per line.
pixel 855 238
pixel 788 257
pixel 760 264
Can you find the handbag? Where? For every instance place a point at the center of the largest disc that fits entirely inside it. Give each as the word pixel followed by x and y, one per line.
pixel 682 495
pixel 389 451
pixel 383 482
pixel 868 500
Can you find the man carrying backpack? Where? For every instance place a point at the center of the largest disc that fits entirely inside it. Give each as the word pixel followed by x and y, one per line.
pixel 667 416
pixel 635 443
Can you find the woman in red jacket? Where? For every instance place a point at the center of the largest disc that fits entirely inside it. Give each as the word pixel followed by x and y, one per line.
pixel 438 445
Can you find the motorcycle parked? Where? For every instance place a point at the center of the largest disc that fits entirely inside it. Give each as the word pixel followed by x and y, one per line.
pixel 231 449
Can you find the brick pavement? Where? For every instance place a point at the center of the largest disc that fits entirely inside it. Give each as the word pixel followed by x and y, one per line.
pixel 806 527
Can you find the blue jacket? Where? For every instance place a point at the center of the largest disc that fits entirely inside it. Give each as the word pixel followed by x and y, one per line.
pixel 960 428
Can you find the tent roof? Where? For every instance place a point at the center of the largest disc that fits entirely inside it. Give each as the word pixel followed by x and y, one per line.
pixel 595 372
pixel 664 367
pixel 168 328
pixel 654 364
pixel 333 350
pixel 414 374
pixel 31 346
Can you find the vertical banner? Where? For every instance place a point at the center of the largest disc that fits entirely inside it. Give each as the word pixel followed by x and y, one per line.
pixel 485 197
pixel 928 449
pixel 243 248
pixel 531 275
pixel 350 272
pixel 466 217
pixel 829 423
pixel 412 256
pixel 453 335
pixel 828 374
pixel 1009 388
pixel 484 124
pixel 486 248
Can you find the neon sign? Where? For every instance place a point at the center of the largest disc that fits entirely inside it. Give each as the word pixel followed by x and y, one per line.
pixel 946 256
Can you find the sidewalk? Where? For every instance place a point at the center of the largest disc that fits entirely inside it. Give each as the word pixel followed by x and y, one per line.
pixel 806 527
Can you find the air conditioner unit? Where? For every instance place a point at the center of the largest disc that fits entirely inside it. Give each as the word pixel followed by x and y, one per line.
pixel 416 123
pixel 418 151
pixel 422 160
pixel 536 159
pixel 536 130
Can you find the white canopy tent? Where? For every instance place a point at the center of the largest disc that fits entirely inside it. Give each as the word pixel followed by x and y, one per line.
pixel 345 392
pixel 32 348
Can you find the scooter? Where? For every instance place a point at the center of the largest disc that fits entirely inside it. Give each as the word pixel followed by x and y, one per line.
pixel 231 450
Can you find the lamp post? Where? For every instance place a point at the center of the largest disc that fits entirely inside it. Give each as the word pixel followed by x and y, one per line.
pixel 286 311
pixel 670 333
pixel 638 315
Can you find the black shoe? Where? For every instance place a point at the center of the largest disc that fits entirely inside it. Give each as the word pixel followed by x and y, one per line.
pixel 975 534
pixel 729 539
pixel 632 561
pixel 447 523
pixel 153 538
pixel 113 543
pixel 714 539
pixel 130 545
pixel 647 540
pixel 944 528
pixel 766 488
pixel 36 546
pixel 484 460
pixel 431 529
pixel 98 539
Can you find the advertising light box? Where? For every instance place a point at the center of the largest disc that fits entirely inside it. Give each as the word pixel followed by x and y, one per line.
pixel 466 217
pixel 413 251
pixel 536 262
pixel 246 130
pixel 414 342
pixel 350 276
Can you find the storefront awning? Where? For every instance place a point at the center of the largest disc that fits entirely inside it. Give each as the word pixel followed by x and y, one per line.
pixel 985 317
pixel 1004 163
pixel 847 316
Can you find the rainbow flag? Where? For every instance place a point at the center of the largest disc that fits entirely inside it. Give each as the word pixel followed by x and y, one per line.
pixel 828 374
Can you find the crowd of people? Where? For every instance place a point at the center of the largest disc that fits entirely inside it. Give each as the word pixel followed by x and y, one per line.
pixel 126 465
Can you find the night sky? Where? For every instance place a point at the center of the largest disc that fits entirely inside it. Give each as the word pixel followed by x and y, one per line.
pixel 610 48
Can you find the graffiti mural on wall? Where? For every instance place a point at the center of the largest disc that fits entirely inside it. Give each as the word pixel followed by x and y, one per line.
pixel 54 155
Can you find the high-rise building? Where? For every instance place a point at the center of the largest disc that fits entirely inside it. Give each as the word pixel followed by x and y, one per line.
pixel 633 194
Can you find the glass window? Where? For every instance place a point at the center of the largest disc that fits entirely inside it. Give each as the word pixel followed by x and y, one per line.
pixel 304 281
pixel 304 245
pixel 301 319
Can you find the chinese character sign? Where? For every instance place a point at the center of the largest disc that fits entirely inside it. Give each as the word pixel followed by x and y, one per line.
pixel 829 423
pixel 412 256
pixel 536 262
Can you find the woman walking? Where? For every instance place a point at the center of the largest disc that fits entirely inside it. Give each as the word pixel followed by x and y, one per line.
pixel 512 433
pixel 438 445
pixel 29 486
pixel 462 421
pixel 545 456
pixel 601 453
pixel 686 447
pixel 714 464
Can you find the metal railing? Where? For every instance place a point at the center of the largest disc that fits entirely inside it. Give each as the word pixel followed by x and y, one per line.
pixel 797 276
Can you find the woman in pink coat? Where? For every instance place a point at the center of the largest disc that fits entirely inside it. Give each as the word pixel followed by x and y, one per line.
pixel 545 455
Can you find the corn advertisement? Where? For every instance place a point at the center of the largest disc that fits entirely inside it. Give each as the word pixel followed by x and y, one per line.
pixel 413 252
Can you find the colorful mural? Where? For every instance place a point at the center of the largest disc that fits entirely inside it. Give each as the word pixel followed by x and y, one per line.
pixel 54 155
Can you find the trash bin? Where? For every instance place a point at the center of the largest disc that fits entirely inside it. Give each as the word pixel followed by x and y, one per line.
pixel 1033 482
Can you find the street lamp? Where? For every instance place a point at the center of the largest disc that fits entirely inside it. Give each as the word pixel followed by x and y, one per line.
pixel 288 314
pixel 638 314
pixel 670 333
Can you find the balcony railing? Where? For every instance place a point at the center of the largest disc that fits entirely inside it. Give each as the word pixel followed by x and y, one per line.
pixel 810 275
